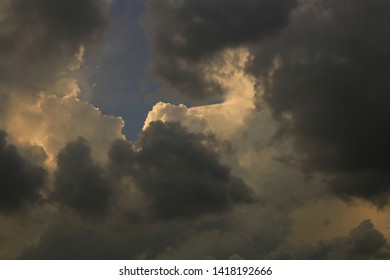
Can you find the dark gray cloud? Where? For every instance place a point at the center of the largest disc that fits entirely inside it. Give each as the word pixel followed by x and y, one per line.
pixel 324 73
pixel 81 184
pixel 330 91
pixel 363 242
pixel 62 243
pixel 123 158
pixel 186 192
pixel 184 34
pixel 39 40
pixel 179 173
pixel 20 180
pixel 218 237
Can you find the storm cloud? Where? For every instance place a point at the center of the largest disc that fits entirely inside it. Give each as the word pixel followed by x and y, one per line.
pixel 42 40
pixel 83 243
pixel 325 79
pixel 303 113
pixel 20 179
pixel 80 184
pixel 183 177
pixel 321 66
pixel 184 35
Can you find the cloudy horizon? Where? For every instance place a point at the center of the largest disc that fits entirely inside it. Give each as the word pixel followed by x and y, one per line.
pixel 194 129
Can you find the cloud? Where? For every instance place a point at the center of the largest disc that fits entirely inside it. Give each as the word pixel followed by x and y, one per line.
pixel 216 236
pixel 184 35
pixel 68 241
pixel 223 118
pixel 171 184
pixel 21 180
pixel 40 40
pixel 42 46
pixel 181 175
pixel 214 181
pixel 325 79
pixel 59 243
pixel 363 242
pixel 251 231
pixel 80 184
pixel 320 67
pixel 245 135
pixel 56 117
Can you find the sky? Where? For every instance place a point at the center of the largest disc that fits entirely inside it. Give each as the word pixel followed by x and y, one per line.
pixel 194 129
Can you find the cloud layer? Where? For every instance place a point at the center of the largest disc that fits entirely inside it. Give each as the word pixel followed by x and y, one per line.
pixel 301 121
pixel 364 242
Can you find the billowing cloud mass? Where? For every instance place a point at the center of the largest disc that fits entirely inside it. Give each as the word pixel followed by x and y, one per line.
pixel 79 182
pixel 181 175
pixel 38 39
pixel 300 123
pixel 321 70
pixel 185 35
pixel 325 79
pixel 42 47
pixel 21 180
